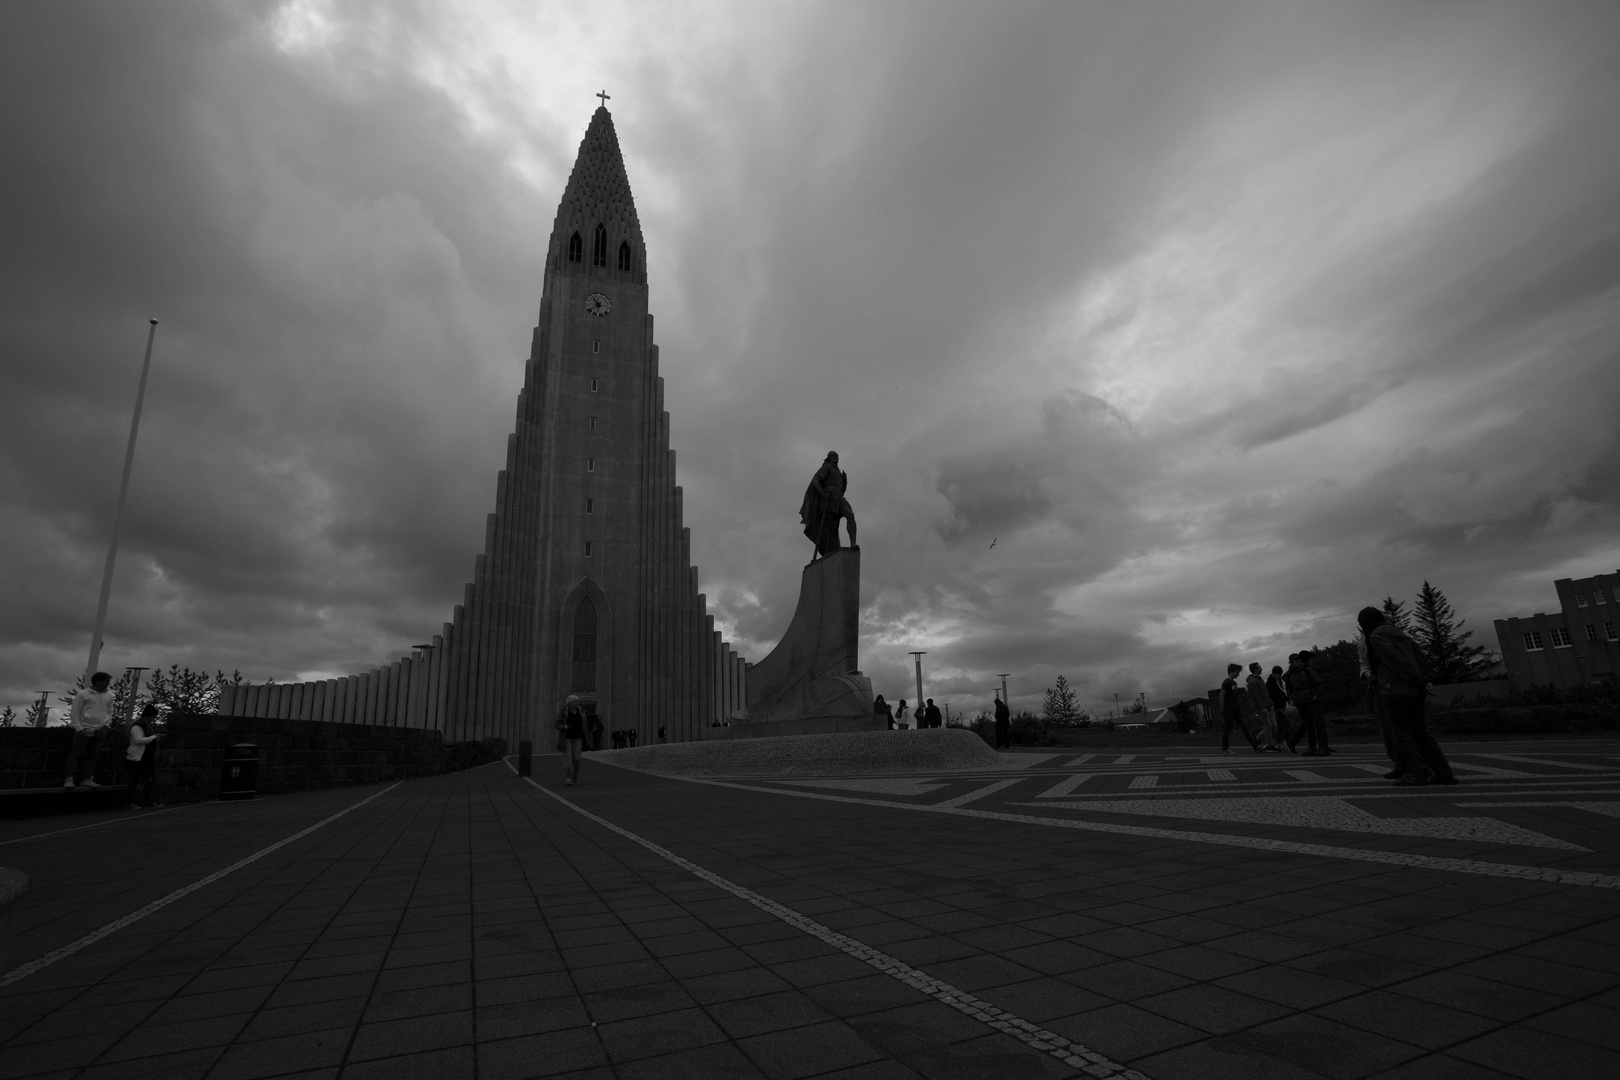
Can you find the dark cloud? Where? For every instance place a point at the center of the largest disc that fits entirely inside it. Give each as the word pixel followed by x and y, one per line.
pixel 1221 321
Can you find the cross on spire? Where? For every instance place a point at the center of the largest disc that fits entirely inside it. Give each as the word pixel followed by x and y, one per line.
pixel 605 96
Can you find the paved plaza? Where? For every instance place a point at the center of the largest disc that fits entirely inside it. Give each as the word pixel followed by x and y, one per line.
pixel 1173 914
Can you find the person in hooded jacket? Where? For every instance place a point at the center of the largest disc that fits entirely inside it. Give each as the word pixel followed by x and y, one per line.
pixel 1403 684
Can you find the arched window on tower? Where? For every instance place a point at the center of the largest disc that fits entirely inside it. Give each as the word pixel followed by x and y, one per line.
pixel 576 248
pixel 599 248
pixel 584 680
pixel 624 255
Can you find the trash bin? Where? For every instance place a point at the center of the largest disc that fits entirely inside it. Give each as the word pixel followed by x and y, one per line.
pixel 525 757
pixel 239 778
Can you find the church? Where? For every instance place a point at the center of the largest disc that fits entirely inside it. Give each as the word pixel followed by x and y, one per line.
pixel 585 585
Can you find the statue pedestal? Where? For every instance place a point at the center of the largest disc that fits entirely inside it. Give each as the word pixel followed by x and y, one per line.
pixel 811 682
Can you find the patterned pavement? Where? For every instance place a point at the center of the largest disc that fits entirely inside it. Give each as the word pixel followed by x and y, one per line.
pixel 1175 914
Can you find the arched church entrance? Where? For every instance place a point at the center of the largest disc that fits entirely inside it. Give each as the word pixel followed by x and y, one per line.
pixel 586 660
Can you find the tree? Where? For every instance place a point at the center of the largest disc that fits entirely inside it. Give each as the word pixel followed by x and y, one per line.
pixel 8 717
pixel 185 691
pixel 1339 668
pixel 38 714
pixel 1062 704
pixel 1444 643
pixel 1395 612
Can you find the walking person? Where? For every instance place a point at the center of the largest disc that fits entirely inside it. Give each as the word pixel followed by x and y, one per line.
pixel 1003 724
pixel 571 737
pixel 1232 710
pixel 1375 707
pixel 140 760
pixel 1403 683
pixel 1279 708
pixel 1304 688
pixel 1260 703
pixel 90 714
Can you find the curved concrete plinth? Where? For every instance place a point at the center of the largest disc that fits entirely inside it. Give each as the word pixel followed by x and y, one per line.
pixel 847 753
pixel 813 673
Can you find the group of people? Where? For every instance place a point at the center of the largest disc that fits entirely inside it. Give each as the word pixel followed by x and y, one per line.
pixel 925 716
pixel 91 718
pixel 1397 686
pixel 1267 699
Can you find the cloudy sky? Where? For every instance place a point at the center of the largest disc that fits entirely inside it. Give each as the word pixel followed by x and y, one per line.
pixel 1221 320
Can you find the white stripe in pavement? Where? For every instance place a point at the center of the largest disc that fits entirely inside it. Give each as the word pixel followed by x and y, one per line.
pixel 979 793
pixel 1504 774
pixel 1392 858
pixel 1150 781
pixel 1066 786
pixel 19 973
pixel 1220 774
pixel 1608 809
pixel 1047 1042
pixel 1308 776
pixel 1545 761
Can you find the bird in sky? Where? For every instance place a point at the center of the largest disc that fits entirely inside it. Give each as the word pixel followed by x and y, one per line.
pixel 993 542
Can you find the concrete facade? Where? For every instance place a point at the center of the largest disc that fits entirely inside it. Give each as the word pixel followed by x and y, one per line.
pixel 586 584
pixel 1577 644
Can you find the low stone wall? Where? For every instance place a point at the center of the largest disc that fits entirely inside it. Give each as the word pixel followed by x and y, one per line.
pixel 775 729
pixel 841 754
pixel 294 755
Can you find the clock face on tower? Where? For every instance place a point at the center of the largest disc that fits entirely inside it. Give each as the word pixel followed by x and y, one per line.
pixel 597 304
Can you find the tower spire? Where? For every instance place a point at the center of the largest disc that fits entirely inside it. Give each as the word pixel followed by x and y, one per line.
pixel 598 191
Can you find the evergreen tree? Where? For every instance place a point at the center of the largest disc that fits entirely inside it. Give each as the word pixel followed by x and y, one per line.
pixel 8 717
pixel 1444 642
pixel 1062 705
pixel 1395 612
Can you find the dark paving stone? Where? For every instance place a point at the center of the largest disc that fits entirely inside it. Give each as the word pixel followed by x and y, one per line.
pixel 808 1051
pixel 1212 1008
pixel 1539 1055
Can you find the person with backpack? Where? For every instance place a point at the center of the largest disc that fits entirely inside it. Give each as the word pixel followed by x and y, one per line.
pixel 1304 688
pixel 1279 707
pixel 1260 706
pixel 1403 684
pixel 1232 710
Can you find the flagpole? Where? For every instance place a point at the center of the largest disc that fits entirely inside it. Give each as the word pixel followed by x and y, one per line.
pixel 118 514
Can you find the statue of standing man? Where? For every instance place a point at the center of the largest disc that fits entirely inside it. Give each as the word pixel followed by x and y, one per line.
pixel 824 505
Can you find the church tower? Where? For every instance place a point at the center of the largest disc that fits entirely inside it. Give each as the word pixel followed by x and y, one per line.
pixel 586 584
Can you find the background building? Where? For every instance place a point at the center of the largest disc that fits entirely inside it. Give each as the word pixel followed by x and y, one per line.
pixel 1577 644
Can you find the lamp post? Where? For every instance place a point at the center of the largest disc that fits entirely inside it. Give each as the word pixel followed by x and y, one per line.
pixel 134 691
pixel 1116 705
pixel 917 656
pixel 42 710
pixel 118 512
pixel 1003 678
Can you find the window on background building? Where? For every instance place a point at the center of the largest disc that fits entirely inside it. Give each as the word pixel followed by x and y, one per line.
pixel 595 386
pixel 1591 632
pixel 576 248
pixel 593 423
pixel 1532 641
pixel 599 247
pixel 596 347
pixel 624 255
pixel 588 504
pixel 585 646
pixel 1597 594
pixel 1580 599
pixel 1560 638
pixel 590 464
pixel 1608 631
pixel 1617 596
pixel 587 549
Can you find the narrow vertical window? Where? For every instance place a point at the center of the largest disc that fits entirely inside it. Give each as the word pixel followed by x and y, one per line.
pixel 585 643
pixel 599 247
pixel 624 255
pixel 596 347
pixel 593 423
pixel 588 504
pixel 594 386
pixel 590 464
pixel 587 549
pixel 576 248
